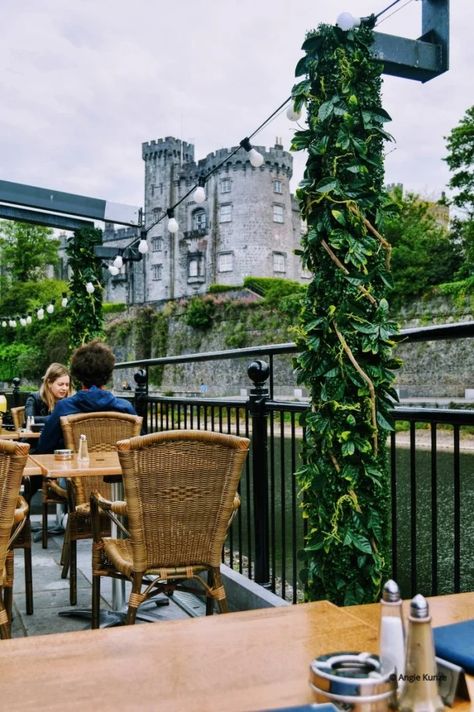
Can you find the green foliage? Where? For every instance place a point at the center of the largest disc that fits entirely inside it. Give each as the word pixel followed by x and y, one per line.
pixel 423 254
pixel 27 250
pixel 199 313
pixel 217 288
pixel 113 307
pixel 84 309
pixel 345 330
pixel 12 358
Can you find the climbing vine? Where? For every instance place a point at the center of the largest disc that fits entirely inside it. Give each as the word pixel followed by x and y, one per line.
pixel 84 308
pixel 345 331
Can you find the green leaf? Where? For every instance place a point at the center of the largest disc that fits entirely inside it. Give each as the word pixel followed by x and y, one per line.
pixel 325 110
pixel 362 543
pixel 326 185
pixel 302 66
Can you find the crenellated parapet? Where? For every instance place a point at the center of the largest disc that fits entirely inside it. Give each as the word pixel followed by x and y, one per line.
pixel 169 148
pixel 275 159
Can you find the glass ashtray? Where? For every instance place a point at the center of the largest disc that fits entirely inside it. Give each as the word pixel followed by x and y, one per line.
pixel 63 454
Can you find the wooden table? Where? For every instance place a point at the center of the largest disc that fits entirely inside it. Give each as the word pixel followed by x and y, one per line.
pixel 100 463
pixel 18 434
pixel 253 660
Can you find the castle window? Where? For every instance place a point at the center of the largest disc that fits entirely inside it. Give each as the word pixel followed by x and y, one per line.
pixel 156 213
pixel 225 185
pixel 196 265
pixel 279 262
pixel 156 244
pixel 225 213
pixel 278 214
pixel 199 219
pixel 157 272
pixel 225 262
pixel 277 186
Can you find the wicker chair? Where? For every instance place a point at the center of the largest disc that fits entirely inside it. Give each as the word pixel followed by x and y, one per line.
pixel 102 430
pixel 18 416
pixel 22 540
pixel 181 495
pixel 13 512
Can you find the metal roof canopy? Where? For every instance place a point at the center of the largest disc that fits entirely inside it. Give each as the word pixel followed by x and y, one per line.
pixel 421 59
pixel 55 201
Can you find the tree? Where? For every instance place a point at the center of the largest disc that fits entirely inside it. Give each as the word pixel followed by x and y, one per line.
pixel 424 253
pixel 26 251
pixel 345 333
pixel 460 159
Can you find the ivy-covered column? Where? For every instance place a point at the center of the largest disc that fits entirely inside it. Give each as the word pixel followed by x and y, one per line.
pixel 85 287
pixel 345 332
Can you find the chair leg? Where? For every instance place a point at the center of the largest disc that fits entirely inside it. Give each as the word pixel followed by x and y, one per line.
pixel 133 600
pixel 95 620
pixel 218 585
pixel 66 552
pixel 44 525
pixel 28 580
pixel 5 631
pixel 73 572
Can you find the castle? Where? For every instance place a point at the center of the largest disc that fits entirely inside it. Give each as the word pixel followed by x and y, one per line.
pixel 248 224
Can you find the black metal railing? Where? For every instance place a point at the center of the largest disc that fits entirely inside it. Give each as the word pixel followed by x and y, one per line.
pixel 432 500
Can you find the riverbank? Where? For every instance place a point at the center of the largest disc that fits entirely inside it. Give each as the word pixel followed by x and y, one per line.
pixel 444 440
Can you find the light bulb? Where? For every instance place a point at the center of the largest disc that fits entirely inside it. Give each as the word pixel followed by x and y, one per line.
pixel 173 226
pixel 4 324
pixel 199 195
pixel 13 323
pixel 50 308
pixel 118 262
pixel 143 247
pixel 293 115
pixel 347 22
pixel 256 158
pixel 113 270
pixel 90 289
pixel 40 313
pixel 22 321
pixel 64 301
pixel 29 319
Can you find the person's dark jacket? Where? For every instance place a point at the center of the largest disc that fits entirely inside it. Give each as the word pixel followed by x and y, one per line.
pixel 35 406
pixel 91 400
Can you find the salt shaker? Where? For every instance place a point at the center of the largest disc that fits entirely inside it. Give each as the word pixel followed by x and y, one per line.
pixel 83 451
pixel 392 630
pixel 30 421
pixel 420 692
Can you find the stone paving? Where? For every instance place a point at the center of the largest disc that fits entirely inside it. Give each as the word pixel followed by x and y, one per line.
pixel 51 592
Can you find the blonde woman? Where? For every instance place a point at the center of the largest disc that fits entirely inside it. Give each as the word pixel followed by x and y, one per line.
pixel 56 385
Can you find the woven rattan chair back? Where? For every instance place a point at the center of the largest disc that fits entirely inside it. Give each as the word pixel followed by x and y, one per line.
pixel 13 456
pixel 18 416
pixel 180 487
pixel 102 430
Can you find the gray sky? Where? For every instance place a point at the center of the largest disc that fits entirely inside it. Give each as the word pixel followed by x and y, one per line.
pixel 83 84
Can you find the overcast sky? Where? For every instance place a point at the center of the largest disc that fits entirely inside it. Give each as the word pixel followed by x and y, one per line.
pixel 83 84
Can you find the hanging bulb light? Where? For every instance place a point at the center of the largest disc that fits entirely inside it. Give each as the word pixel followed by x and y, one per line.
pixel 199 195
pixel 173 226
pixel 118 262
pixel 50 307
pixel 13 323
pixel 40 313
pixel 255 158
pixel 143 246
pixel 347 22
pixel 64 300
pixel 22 321
pixel 113 270
pixel 29 319
pixel 293 115
pixel 4 324
pixel 90 289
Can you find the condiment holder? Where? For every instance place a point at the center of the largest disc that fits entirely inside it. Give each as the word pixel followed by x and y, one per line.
pixel 64 454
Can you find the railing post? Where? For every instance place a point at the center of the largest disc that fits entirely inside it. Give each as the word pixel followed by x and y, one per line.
pixel 258 372
pixel 141 396
pixel 16 392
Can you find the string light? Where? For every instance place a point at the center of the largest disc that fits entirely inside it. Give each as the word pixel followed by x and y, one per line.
pixel 293 115
pixel 50 308
pixel 4 324
pixel 90 289
pixel 173 226
pixel 29 319
pixel 22 321
pixel 64 300
pixel 40 313
pixel 255 158
pixel 118 262
pixel 113 270
pixel 199 195
pixel 143 246
pixel 347 22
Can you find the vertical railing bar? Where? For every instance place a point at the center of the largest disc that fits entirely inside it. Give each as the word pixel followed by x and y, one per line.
pixel 283 505
pixel 413 513
pixel 393 497
pixel 272 501
pixel 271 383
pixel 294 508
pixel 457 512
pixel 434 511
pixel 249 498
pixel 239 514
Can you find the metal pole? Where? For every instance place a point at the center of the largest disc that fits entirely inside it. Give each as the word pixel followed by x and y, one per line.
pixel 258 372
pixel 141 396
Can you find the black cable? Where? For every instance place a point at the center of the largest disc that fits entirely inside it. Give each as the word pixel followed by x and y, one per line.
pixel 382 12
